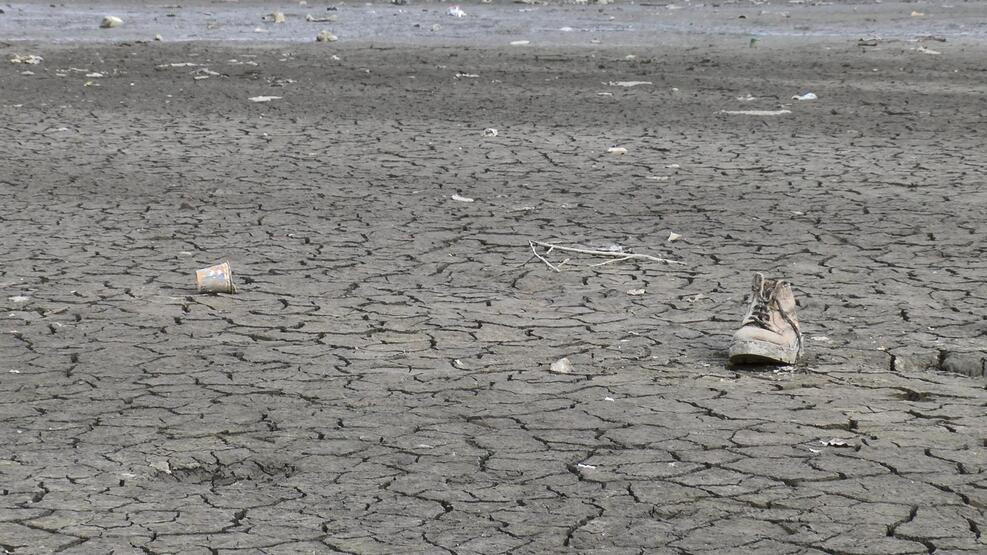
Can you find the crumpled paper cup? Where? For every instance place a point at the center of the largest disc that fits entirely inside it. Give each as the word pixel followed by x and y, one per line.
pixel 215 279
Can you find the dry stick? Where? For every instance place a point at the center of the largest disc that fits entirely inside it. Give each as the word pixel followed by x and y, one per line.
pixel 620 255
pixel 542 258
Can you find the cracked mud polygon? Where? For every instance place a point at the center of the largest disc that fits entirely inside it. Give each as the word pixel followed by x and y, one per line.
pixel 381 382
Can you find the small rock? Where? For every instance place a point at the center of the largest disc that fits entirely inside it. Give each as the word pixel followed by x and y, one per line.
pixel 456 11
pixel 326 36
pixel 618 150
pixel 110 22
pixel 835 442
pixel 636 292
pixel 806 96
pixel 490 132
pixel 562 366
pixel 459 198
pixel 158 38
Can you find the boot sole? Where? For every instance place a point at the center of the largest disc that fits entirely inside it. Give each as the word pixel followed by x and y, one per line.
pixel 760 352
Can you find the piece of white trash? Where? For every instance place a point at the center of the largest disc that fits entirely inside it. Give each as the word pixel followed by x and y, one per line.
pixel 459 198
pixel 19 299
pixel 629 83
pixel 806 96
pixel 456 11
pixel 672 236
pixel 110 22
pixel 520 42
pixel 619 150
pixel 756 112
pixel 562 366
pixel 490 132
pixel 263 98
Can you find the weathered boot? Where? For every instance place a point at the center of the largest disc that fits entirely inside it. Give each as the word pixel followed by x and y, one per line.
pixel 770 332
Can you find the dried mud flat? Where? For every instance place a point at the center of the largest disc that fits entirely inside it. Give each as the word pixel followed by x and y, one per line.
pixel 381 382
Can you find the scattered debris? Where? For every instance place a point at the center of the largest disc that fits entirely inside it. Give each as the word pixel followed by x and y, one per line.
pixel 326 36
pixel 177 64
pixel 821 339
pixel 30 59
pixel 611 399
pixel 275 17
pixel 586 466
pixel 204 73
pixel 918 14
pixel 617 255
pixel 459 198
pixel 12 371
pixel 562 366
pixel 636 292
pixel 629 83
pixel 520 42
pixel 456 11
pixel 925 50
pixel 756 112
pixel 94 75
pixel 27 72
pixel 19 299
pixel 110 22
pixel 835 442
pixel 806 96
pixel 490 132
pixel 747 98
pixel 215 279
pixel 326 19
pixel 263 98
pixel 158 37
pixel 672 236
pixel 868 42
pixel 464 75
pixel 618 150
pixel 459 364
pixel 931 37
pixel 657 178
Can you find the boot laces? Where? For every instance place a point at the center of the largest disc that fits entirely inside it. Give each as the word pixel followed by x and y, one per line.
pixel 761 313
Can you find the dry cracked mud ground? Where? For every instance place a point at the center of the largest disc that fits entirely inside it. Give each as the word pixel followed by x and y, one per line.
pixel 380 383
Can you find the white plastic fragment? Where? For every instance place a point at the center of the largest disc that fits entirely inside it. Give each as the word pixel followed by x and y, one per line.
pixel 520 42
pixel 263 98
pixel 636 292
pixel 611 399
pixel 19 299
pixel 456 11
pixel 925 50
pixel 756 112
pixel 490 132
pixel 618 150
pixel 110 22
pixel 30 59
pixel 459 198
pixel 835 442
pixel 806 96
pixel 586 466
pixel 562 366
pixel 672 236
pixel 162 466
pixel 629 83
pixel 275 17
pixel 326 19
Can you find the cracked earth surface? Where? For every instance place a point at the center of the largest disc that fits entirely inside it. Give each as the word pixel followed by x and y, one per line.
pixel 381 384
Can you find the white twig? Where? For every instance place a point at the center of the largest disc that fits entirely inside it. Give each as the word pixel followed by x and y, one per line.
pixel 620 256
pixel 542 258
